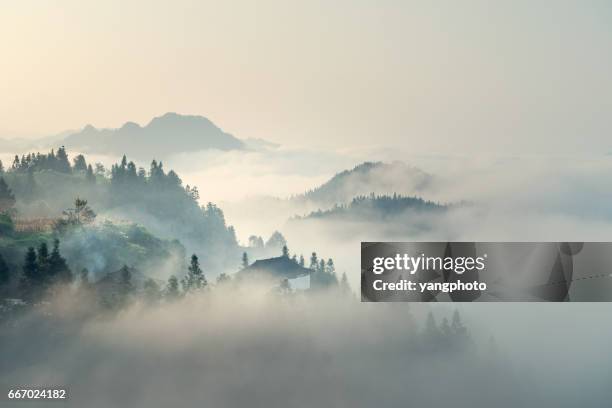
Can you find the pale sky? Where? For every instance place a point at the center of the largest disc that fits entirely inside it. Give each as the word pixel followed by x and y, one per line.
pixel 428 76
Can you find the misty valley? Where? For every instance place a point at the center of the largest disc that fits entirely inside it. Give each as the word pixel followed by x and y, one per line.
pixel 121 275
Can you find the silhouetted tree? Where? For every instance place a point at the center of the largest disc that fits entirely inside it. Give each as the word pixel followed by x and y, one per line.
pixel 195 279
pixel 62 163
pixel 314 262
pixel 58 267
pixel 89 175
pixel 79 163
pixel 31 279
pixel 100 170
pixel 256 242
pixel 245 260
pixel 79 215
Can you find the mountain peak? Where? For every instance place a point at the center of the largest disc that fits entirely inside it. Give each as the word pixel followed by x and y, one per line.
pixel 170 133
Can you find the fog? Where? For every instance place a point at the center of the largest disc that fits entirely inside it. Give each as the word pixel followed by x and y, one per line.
pixel 227 348
pixel 247 347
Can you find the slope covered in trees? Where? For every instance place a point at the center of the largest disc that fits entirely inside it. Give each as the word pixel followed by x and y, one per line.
pixel 367 178
pixel 45 185
pixel 376 208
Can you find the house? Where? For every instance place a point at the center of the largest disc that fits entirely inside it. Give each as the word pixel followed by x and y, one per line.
pixel 278 269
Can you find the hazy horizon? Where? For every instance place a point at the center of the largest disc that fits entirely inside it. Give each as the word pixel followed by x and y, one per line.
pixel 469 77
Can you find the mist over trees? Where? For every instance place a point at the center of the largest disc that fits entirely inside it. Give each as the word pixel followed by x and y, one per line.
pixel 45 185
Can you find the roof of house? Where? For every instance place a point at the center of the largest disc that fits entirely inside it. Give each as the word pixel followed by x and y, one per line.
pixel 280 267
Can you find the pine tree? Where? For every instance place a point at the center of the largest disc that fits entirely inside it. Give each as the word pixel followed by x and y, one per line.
pixel 62 163
pixel 330 268
pixel 321 267
pixel 43 260
pixel 314 262
pixel 285 251
pixel 58 267
pixel 195 279
pixel 294 258
pixel 16 164
pixel 31 280
pixel 4 272
pixel 301 261
pixel 79 163
pixel 245 260
pixel 89 175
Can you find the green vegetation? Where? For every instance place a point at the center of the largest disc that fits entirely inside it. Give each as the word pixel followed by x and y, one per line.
pixel 379 207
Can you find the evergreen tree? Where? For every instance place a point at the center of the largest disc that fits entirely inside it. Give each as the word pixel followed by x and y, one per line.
pixel 89 175
pixel 172 289
pixel 58 267
pixel 285 251
pixel 100 170
pixel 195 279
pixel 43 260
pixel 294 258
pixel 7 198
pixel 314 263
pixel 79 163
pixel 301 261
pixel 256 242
pixel 330 268
pixel 1 167
pixel 16 164
pixel 4 272
pixel 321 267
pixel 31 279
pixel 79 215
pixel 62 163
pixel 245 260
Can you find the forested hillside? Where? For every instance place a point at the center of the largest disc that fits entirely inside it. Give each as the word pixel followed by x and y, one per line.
pixel 45 185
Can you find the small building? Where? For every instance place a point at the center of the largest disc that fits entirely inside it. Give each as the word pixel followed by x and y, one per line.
pixel 278 269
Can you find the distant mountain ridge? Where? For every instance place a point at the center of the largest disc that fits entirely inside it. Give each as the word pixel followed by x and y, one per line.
pixel 164 135
pixel 367 178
